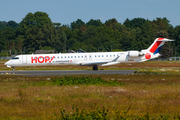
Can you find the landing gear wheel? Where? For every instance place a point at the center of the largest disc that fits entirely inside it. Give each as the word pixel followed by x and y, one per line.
pixel 95 67
pixel 13 69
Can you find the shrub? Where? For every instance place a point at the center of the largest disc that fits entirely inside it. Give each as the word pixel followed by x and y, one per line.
pixel 84 81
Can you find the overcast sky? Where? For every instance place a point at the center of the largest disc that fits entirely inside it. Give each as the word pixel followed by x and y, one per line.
pixel 67 11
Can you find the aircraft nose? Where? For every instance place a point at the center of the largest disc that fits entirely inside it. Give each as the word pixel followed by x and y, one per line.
pixel 8 64
pixel 5 63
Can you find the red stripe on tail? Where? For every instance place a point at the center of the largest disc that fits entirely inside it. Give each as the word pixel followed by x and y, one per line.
pixel 155 46
pixel 160 38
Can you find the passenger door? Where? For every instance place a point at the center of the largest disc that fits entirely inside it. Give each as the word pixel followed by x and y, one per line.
pixel 24 59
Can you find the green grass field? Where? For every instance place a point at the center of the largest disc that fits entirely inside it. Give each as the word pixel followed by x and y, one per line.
pixel 153 93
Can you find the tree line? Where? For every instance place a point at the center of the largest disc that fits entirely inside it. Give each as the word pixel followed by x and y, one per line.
pixel 37 32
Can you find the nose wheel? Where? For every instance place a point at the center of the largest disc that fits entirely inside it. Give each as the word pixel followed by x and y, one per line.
pixel 95 67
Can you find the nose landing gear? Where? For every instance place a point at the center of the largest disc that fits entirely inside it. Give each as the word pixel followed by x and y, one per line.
pixel 13 69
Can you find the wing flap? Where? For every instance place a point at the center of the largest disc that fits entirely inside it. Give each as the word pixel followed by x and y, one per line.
pixel 110 63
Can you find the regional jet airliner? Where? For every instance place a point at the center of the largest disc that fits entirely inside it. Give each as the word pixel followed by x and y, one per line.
pixel 93 59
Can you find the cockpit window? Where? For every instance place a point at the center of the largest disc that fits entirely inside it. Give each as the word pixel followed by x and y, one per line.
pixel 15 58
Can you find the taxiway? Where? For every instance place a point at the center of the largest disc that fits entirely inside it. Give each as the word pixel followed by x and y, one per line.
pixel 64 72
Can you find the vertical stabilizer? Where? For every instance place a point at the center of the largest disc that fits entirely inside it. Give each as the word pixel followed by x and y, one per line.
pixel 153 51
pixel 157 45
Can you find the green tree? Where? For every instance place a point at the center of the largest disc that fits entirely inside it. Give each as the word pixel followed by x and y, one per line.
pixel 2 40
pixel 110 22
pixel 37 31
pixel 147 36
pixel 177 41
pixel 9 35
pixel 165 49
pixel 46 48
pixel 77 24
pixel 160 24
pixel 12 24
pixel 134 23
pixel 3 24
pixel 96 23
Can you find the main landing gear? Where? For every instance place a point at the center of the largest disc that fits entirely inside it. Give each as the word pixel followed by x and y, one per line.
pixel 95 67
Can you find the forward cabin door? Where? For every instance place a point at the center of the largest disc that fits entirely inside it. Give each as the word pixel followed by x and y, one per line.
pixel 24 59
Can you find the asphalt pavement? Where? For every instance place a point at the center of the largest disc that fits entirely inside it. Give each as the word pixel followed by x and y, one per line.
pixel 64 72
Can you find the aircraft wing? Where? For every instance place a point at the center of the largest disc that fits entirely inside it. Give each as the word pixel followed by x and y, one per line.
pixel 92 63
pixel 99 63
pixel 105 63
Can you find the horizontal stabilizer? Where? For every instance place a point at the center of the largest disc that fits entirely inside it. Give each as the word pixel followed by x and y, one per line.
pixel 166 40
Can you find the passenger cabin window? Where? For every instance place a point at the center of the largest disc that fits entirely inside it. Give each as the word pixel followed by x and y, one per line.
pixel 106 55
pixel 15 58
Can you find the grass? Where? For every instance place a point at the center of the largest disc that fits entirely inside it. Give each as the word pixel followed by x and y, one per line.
pixel 153 94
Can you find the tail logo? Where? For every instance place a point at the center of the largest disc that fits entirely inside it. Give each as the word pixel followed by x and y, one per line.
pixel 157 46
pixel 147 56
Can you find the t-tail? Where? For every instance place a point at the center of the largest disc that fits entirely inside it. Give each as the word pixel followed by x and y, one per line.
pixel 153 51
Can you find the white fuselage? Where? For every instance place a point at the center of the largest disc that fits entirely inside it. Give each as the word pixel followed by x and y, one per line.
pixel 86 59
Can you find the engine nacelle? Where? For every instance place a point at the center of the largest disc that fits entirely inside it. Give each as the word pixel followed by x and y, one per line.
pixel 135 54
